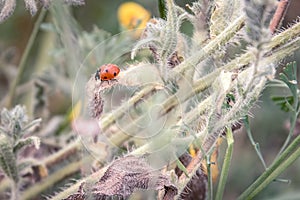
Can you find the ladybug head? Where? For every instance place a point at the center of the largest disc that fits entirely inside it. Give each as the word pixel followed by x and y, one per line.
pixel 97 75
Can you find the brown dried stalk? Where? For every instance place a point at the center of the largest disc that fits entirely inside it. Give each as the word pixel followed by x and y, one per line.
pixel 279 15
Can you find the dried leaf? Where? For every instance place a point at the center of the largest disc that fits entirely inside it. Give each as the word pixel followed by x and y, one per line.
pixel 128 174
pixel 96 102
pixel 174 60
pixel 197 187
pixel 79 195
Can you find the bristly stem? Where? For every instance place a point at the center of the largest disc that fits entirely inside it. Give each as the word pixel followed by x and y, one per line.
pixel 254 144
pixel 209 48
pixel 22 65
pixel 206 81
pixel 226 164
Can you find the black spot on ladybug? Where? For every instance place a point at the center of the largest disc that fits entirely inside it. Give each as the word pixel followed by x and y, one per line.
pixel 104 77
pixel 106 70
pixel 115 74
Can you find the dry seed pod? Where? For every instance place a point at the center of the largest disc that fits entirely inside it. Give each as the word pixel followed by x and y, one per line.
pixel 95 89
pixel 130 173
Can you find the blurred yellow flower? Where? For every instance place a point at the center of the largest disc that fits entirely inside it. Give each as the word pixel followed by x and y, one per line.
pixel 75 112
pixel 213 159
pixel 133 16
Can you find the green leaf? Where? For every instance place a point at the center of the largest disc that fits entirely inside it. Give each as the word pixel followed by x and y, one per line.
pixel 8 162
pixel 289 77
pixel 33 140
pixel 182 167
pixel 283 102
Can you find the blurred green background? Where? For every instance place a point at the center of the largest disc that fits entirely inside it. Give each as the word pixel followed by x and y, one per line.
pixel 269 123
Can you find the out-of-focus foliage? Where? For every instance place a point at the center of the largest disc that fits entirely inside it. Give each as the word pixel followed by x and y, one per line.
pixel 178 89
pixel 7 7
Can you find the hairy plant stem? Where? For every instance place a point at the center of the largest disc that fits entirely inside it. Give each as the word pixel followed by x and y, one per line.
pixel 72 189
pixel 224 37
pixel 220 40
pixel 189 118
pixel 203 83
pixel 192 115
pixel 49 161
pixel 278 166
pixel 210 140
pixel 200 85
pixel 207 80
pixel 120 111
pixel 22 65
pixel 226 164
pixel 57 176
pixel 67 151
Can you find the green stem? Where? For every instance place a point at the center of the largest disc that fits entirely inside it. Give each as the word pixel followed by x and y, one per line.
pixel 254 144
pixel 278 166
pixel 209 177
pixel 226 164
pixel 272 176
pixel 22 65
pixel 291 132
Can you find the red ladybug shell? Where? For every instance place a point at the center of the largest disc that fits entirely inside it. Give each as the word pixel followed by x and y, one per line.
pixel 107 72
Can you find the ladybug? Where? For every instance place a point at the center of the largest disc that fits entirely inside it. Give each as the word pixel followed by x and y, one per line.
pixel 107 72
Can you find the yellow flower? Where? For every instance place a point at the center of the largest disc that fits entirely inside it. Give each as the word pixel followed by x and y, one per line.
pixel 133 16
pixel 75 112
pixel 213 159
